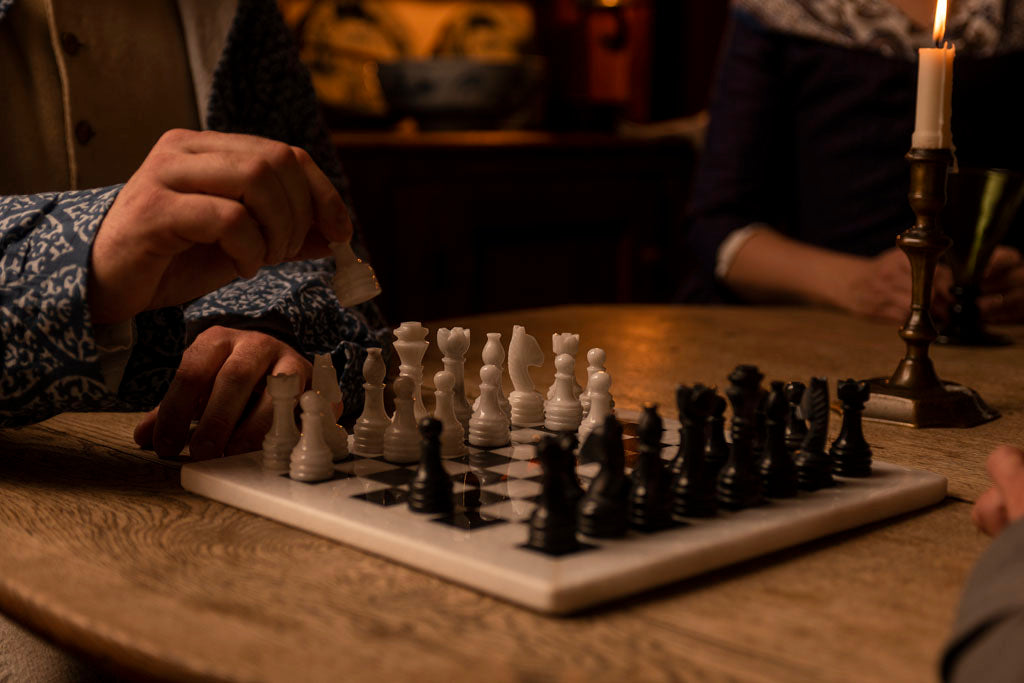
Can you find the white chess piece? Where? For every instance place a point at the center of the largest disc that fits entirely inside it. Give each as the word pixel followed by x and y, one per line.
pixel 370 427
pixel 453 344
pixel 527 404
pixel 411 344
pixel 325 383
pixel 566 342
pixel 489 426
pixel 283 435
pixel 563 412
pixel 600 403
pixel 354 280
pixel 595 363
pixel 402 438
pixel 494 354
pixel 311 458
pixel 453 436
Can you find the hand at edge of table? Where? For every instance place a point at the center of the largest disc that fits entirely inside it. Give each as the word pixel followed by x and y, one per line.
pixel 1002 504
pixel 1002 287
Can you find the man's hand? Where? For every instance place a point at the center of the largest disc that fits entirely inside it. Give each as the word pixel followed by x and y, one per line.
pixel 1003 503
pixel 221 382
pixel 881 288
pixel 203 209
pixel 1002 287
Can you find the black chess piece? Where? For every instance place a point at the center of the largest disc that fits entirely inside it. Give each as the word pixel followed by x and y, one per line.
pixel 851 454
pixel 716 449
pixel 567 464
pixel 739 482
pixel 553 522
pixel 796 426
pixel 649 494
pixel 602 511
pixel 778 472
pixel 431 490
pixel 813 464
pixel 760 428
pixel 693 488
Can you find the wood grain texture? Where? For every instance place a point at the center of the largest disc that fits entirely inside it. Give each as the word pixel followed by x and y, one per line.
pixel 105 553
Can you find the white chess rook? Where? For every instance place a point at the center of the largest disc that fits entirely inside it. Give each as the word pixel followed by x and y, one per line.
pixel 312 459
pixel 402 437
pixel 454 344
pixel 527 404
pixel 453 436
pixel 372 423
pixel 411 344
pixel 283 435
pixel 599 387
pixel 489 427
pixel 563 412
pixel 565 342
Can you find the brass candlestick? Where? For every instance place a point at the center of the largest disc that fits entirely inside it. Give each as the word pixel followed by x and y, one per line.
pixel 914 395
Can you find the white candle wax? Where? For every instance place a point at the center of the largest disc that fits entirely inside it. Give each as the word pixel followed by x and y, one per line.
pixel 934 98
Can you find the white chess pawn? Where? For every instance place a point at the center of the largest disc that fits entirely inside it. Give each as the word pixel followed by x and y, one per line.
pixel 283 435
pixel 494 354
pixel 600 403
pixel 354 280
pixel 411 344
pixel 370 427
pixel 565 342
pixel 325 383
pixel 312 459
pixel 595 363
pixel 453 436
pixel 489 426
pixel 453 344
pixel 527 404
pixel 563 412
pixel 402 438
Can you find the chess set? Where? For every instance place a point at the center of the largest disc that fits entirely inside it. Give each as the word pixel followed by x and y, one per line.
pixel 559 502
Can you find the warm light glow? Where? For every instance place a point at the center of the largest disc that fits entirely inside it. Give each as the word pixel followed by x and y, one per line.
pixel 940 21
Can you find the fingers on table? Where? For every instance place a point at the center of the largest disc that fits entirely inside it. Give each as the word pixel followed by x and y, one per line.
pixel 1006 467
pixel 989 512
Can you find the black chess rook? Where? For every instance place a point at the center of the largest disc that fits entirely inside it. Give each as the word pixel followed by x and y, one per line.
pixel 851 454
pixel 431 490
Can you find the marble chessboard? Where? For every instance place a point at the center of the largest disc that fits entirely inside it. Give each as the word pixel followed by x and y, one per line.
pixel 481 544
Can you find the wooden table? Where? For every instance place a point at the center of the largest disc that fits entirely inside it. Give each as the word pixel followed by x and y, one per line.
pixel 105 553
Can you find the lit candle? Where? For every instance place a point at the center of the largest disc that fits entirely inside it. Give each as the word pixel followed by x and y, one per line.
pixel 935 89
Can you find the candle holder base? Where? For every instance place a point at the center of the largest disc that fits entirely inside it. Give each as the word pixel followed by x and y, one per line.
pixel 947 405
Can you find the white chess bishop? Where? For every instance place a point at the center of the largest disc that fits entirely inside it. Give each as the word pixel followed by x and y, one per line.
pixel 402 438
pixel 563 411
pixel 489 427
pixel 600 403
pixel 354 280
pixel 283 435
pixel 325 383
pixel 373 422
pixel 453 436
pixel 312 459
pixel 411 344
pixel 454 344
pixel 527 404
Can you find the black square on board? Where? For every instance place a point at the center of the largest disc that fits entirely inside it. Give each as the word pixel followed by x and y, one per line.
pixel 385 497
pixel 468 520
pixel 582 547
pixel 396 477
pixel 483 459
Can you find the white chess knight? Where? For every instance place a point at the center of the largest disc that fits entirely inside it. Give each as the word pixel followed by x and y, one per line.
pixel 411 344
pixel 595 363
pixel 453 436
pixel 372 423
pixel 489 427
pixel 494 354
pixel 527 403
pixel 325 383
pixel 563 411
pixel 402 438
pixel 312 459
pixel 565 342
pixel 454 344
pixel 600 385
pixel 354 280
pixel 283 435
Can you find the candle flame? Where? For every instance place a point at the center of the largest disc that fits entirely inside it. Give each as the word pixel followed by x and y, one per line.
pixel 940 21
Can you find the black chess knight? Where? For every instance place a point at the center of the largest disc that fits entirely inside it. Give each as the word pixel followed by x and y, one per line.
pixel 602 511
pixel 796 425
pixel 693 488
pixel 716 450
pixel 813 464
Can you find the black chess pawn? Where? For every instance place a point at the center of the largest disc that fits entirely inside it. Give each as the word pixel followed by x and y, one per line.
pixel 759 428
pixel 716 448
pixel 693 488
pixel 567 464
pixel 796 426
pixel 553 522
pixel 602 511
pixel 851 454
pixel 431 490
pixel 778 472
pixel 649 494
pixel 739 482
pixel 813 464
